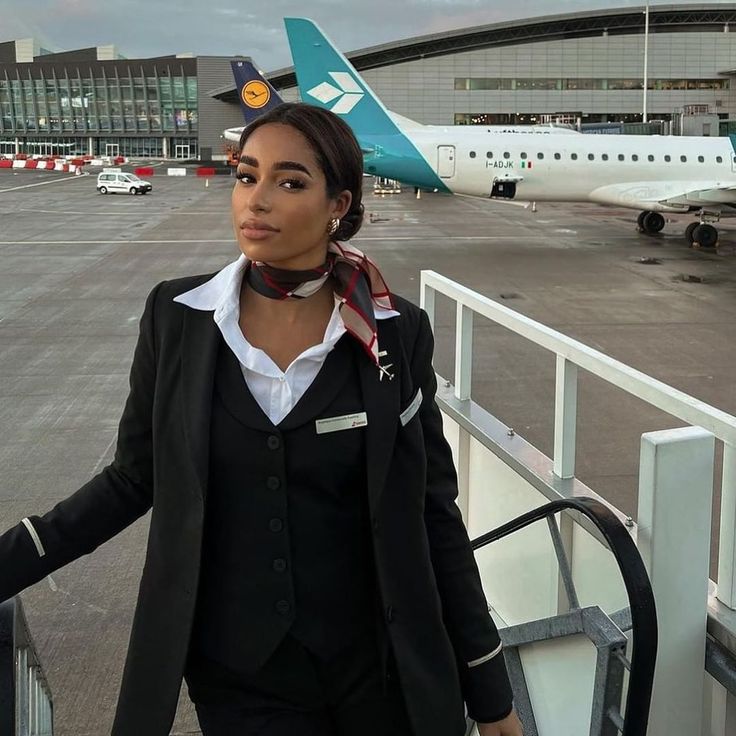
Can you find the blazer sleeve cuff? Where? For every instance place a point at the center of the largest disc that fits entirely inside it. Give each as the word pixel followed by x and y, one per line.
pixel 487 689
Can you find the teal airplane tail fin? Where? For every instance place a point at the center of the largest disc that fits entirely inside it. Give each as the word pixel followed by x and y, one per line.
pixel 327 79
pixel 256 95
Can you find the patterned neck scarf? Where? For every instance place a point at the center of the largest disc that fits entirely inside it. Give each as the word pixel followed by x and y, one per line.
pixel 358 286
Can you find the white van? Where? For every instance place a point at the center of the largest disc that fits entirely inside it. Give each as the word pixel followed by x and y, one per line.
pixel 118 181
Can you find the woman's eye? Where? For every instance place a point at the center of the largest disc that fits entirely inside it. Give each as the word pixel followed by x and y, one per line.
pixel 293 184
pixel 243 176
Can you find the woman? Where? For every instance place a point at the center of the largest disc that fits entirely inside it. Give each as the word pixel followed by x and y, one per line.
pixel 307 569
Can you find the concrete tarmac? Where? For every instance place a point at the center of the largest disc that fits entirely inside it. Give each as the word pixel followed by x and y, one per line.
pixel 75 268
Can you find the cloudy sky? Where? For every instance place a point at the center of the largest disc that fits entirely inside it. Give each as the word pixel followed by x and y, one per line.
pixel 141 28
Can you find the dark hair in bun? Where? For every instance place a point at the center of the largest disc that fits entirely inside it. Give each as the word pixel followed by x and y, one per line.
pixel 336 149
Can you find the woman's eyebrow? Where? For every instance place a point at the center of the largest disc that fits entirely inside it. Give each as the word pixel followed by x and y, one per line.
pixel 291 165
pixel 278 166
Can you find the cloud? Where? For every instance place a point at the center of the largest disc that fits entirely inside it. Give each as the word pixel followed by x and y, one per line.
pixel 143 28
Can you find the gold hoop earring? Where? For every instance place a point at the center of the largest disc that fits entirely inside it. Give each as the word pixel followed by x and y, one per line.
pixel 334 226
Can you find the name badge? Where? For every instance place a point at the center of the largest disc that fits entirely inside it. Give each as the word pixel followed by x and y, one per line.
pixel 337 424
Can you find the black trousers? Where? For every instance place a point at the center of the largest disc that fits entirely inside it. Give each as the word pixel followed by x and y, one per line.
pixel 297 692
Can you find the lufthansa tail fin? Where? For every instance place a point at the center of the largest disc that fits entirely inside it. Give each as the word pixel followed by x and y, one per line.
pixel 256 95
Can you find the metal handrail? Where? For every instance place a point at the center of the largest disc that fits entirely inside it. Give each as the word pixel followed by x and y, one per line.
pixel 638 589
pixel 26 703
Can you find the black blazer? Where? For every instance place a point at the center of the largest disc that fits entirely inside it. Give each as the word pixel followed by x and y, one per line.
pixel 436 612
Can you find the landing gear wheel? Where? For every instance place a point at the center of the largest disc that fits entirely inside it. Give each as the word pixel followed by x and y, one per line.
pixel 689 230
pixel 652 223
pixel 103 190
pixel 705 236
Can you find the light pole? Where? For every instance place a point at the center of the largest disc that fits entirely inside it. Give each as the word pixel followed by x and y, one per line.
pixel 646 61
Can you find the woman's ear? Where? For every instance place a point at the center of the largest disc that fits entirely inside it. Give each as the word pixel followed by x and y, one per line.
pixel 342 203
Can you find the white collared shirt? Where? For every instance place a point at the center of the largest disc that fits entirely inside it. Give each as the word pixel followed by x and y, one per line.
pixel 277 392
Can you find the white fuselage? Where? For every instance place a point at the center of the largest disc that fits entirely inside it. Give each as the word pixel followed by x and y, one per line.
pixel 647 172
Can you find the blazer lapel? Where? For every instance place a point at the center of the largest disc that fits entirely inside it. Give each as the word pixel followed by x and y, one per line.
pixel 200 340
pixel 382 399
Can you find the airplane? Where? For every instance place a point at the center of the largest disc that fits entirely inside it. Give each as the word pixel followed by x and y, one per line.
pixel 257 96
pixel 255 93
pixel 653 174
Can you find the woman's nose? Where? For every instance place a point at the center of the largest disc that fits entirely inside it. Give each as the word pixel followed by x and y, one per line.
pixel 259 199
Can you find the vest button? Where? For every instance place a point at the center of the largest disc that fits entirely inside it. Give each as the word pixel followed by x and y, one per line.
pixel 279 565
pixel 273 483
pixel 283 607
pixel 275 525
pixel 273 442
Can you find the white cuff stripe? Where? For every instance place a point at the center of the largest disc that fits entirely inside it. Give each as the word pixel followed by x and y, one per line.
pixel 34 536
pixel 488 657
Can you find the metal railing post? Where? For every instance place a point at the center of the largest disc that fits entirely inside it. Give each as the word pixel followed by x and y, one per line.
pixel 675 496
pixel 426 298
pixel 566 410
pixel 726 592
pixel 463 351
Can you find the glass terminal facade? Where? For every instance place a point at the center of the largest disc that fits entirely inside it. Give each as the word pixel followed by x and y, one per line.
pixel 135 108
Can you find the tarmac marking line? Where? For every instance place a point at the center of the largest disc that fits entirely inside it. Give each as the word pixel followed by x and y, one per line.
pixel 39 184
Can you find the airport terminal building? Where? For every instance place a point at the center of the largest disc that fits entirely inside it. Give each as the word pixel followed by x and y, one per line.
pixel 579 66
pixel 586 67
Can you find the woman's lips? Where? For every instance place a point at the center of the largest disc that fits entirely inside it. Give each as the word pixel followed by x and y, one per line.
pixel 257 233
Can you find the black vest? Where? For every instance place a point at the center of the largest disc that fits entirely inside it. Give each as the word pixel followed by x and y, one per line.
pixel 287 544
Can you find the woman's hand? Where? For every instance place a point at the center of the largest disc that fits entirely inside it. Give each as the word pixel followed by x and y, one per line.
pixel 509 726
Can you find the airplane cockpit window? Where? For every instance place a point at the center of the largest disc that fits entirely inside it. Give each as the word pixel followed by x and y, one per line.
pixel 667 158
pixel 683 159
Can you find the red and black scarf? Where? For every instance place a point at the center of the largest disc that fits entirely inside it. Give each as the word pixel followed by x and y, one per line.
pixel 359 287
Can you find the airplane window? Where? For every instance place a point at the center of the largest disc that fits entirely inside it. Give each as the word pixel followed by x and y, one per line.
pixel 621 157
pixel 719 159
pixel 558 156
pixel 683 159
pixel 591 157
pixel 701 159
pixel 472 154
pixel 634 157
pixel 523 155
pixel 540 156
pixel 668 158
pixel 574 156
pixel 489 154
pixel 650 157
pixel 604 156
pixel 506 154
